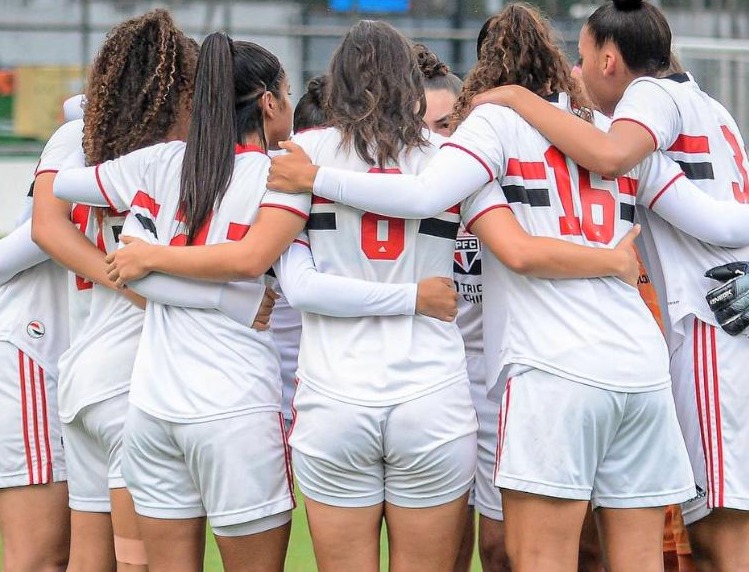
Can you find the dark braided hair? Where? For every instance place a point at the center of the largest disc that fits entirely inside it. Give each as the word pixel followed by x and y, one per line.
pixel 137 85
pixel 437 74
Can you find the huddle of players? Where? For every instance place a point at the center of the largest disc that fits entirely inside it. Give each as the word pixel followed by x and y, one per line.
pixel 384 426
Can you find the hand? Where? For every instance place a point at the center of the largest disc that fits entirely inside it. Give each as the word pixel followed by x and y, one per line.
pixel 629 266
pixel 502 95
pixel 128 263
pixel 262 318
pixel 729 301
pixel 292 172
pixel 436 297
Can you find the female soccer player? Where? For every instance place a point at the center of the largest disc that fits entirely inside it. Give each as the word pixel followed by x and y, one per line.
pixel 371 394
pixel 625 47
pixel 551 196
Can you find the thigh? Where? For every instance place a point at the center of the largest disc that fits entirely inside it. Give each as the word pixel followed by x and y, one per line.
pixel 155 471
pixel 174 545
pixel 425 539
pixel 632 539
pixel 35 527
pixel 337 450
pixel 541 532
pixel 553 434
pixel 345 538
pixel 240 480
pixel 430 448
pixel 492 545
pixel 259 552
pixel 30 440
pixel 647 441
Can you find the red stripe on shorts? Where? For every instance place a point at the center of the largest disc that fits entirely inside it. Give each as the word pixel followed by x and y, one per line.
pixel 718 424
pixel 36 422
pixel 24 408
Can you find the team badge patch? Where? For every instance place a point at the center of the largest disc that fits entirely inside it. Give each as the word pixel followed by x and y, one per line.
pixel 467 260
pixel 35 329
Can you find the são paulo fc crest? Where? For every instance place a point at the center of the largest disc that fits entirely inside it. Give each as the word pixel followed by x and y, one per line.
pixel 467 255
pixel 35 329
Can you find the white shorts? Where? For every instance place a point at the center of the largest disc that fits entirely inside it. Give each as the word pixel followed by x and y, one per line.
pixel 565 439
pixel 31 451
pixel 486 496
pixel 710 370
pixel 93 450
pixel 416 454
pixel 234 470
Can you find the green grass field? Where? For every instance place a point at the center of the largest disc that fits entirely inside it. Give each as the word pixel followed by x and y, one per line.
pixel 300 558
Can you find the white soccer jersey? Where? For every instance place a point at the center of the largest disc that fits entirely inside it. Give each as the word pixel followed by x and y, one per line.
pixel 34 304
pixel 595 331
pixel 700 135
pixel 99 362
pixel 467 277
pixel 286 326
pixel 64 143
pixel 377 361
pixel 196 365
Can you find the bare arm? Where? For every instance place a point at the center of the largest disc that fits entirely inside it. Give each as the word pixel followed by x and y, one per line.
pixel 270 234
pixel 551 258
pixel 54 232
pixel 611 153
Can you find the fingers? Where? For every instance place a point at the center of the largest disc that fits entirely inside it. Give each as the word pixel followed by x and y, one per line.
pixel 127 239
pixel 630 237
pixel 290 146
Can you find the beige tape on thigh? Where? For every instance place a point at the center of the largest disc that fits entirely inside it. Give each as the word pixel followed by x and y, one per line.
pixel 130 551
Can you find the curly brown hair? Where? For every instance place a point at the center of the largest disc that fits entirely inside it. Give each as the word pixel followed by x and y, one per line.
pixel 376 95
pixel 137 86
pixel 517 47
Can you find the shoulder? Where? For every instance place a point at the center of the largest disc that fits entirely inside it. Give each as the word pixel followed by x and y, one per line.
pixel 312 139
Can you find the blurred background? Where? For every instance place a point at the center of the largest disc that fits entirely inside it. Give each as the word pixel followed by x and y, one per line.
pixel 45 46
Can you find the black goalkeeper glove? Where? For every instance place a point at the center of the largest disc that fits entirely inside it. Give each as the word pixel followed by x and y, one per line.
pixel 730 301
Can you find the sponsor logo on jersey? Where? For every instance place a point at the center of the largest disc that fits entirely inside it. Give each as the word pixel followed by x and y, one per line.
pixel 35 329
pixel 467 260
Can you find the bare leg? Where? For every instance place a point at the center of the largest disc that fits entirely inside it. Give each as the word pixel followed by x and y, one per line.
pixel 632 539
pixel 591 555
pixel 492 545
pixel 125 526
pixel 542 533
pixel 720 541
pixel 35 527
pixel 91 542
pixel 465 552
pixel 425 539
pixel 262 552
pixel 173 545
pixel 345 538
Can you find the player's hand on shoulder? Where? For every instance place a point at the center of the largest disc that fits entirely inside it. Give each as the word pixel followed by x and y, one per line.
pixel 129 262
pixel 437 298
pixel 729 301
pixel 262 318
pixel 627 262
pixel 293 171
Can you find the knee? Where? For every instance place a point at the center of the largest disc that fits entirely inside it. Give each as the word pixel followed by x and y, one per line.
pixel 493 557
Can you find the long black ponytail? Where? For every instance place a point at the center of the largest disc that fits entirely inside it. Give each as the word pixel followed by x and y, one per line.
pixel 231 79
